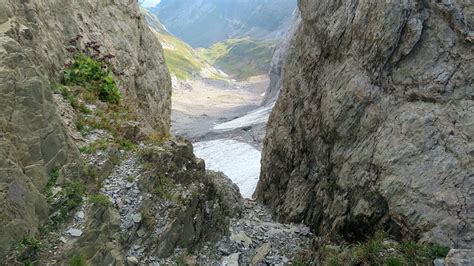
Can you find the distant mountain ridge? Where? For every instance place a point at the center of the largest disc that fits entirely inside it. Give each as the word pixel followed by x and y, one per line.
pixel 202 23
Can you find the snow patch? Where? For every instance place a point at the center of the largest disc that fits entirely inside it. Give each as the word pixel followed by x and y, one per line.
pixel 257 116
pixel 239 161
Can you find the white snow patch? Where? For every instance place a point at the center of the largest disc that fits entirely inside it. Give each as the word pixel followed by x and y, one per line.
pixel 257 116
pixel 239 161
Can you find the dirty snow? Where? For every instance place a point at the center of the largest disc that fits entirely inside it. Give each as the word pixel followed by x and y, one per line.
pixel 256 116
pixel 239 161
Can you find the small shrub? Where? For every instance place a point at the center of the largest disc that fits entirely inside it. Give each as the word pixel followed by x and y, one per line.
pixel 73 101
pixel 435 251
pixel 94 76
pixel 368 252
pixel 94 146
pixel 53 177
pixel 148 217
pixel 412 251
pixel 78 260
pixel 61 89
pixel 81 125
pixel 84 109
pixel 100 199
pixel 394 261
pixel 69 199
pixel 125 144
pixel 89 97
pixel 28 249
pixel 130 179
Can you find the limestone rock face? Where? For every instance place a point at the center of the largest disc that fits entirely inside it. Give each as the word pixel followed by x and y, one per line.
pixel 34 36
pixel 374 123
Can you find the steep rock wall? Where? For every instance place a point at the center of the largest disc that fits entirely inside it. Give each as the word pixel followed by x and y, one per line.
pixel 278 61
pixel 34 36
pixel 374 124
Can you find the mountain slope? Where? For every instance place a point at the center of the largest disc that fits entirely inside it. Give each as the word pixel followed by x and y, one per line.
pixel 240 58
pixel 182 60
pixel 202 23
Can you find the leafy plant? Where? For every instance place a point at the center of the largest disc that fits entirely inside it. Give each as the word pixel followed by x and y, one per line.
pixel 100 199
pixel 369 251
pixel 95 76
pixel 84 109
pixel 394 261
pixel 436 251
pixel 70 197
pixel 28 249
pixel 78 260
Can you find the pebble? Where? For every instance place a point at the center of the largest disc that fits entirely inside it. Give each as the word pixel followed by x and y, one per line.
pixel 74 232
pixel 132 260
pixel 80 215
pixel 137 217
pixel 438 262
pixel 141 233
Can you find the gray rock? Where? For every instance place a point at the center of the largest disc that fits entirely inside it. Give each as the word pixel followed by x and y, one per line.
pixel 374 122
pixel 460 257
pixel 80 215
pixel 242 239
pixel 137 217
pixel 261 253
pixel 231 260
pixel 132 260
pixel 74 232
pixel 438 262
pixel 141 232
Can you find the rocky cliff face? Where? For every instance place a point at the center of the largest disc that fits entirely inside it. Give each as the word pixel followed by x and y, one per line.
pixel 278 61
pixel 373 127
pixel 34 37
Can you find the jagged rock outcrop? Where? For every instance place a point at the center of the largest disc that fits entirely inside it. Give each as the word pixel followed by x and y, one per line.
pixel 34 37
pixel 275 73
pixel 373 126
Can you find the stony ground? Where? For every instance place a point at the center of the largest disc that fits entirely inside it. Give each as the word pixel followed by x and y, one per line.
pixel 254 237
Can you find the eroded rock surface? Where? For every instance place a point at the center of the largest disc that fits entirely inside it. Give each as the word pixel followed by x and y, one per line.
pixel 278 61
pixel 373 127
pixel 34 38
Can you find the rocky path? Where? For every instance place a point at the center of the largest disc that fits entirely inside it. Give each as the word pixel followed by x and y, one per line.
pixel 257 239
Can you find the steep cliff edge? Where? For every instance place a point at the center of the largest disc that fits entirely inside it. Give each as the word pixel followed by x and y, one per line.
pixel 280 54
pixel 34 39
pixel 373 126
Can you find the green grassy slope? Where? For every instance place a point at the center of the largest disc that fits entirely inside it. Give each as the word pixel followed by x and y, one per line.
pixel 182 60
pixel 240 58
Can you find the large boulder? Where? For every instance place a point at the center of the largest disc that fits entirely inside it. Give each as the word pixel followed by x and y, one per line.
pixel 374 123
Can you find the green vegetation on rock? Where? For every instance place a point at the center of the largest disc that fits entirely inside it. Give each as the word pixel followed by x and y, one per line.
pixel 95 76
pixel 100 199
pixel 27 250
pixel 182 60
pixel 241 58
pixel 380 250
pixel 78 260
